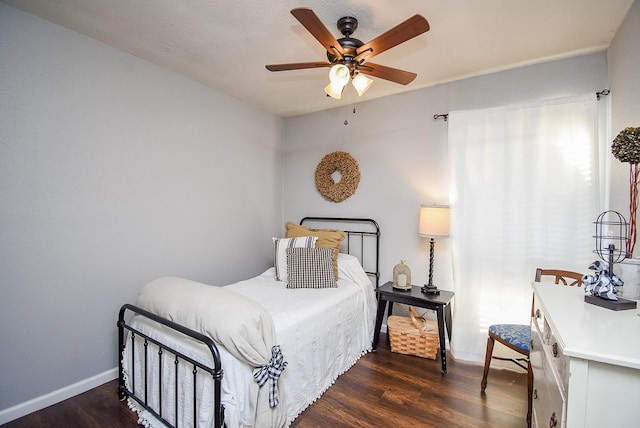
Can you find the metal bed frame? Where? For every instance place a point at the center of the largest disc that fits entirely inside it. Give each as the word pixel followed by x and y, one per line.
pixel 216 371
pixel 375 234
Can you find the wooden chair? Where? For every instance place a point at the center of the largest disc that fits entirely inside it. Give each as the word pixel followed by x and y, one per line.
pixel 518 336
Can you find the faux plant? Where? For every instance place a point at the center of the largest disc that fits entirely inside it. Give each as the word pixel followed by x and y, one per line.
pixel 626 148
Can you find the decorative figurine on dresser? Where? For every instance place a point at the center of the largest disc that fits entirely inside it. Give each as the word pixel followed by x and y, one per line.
pixel 611 230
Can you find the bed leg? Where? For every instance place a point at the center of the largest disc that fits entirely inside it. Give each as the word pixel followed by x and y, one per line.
pixel 121 393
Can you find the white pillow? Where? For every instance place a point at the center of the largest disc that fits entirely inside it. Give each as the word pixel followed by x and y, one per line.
pixel 280 252
pixel 349 267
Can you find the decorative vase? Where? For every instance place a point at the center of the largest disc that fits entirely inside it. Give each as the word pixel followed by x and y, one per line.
pixel 629 271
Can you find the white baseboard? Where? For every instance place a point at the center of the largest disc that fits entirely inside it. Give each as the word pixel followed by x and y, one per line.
pixel 39 403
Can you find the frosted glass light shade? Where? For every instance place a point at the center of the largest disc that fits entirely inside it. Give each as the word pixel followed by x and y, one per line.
pixel 334 91
pixel 339 75
pixel 434 221
pixel 361 83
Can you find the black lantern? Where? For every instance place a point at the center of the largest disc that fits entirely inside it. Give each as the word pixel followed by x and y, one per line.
pixel 611 238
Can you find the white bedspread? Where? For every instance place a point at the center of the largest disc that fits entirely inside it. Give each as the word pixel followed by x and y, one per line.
pixel 322 333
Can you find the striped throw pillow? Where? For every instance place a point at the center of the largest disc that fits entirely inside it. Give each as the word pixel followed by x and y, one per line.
pixel 310 268
pixel 280 252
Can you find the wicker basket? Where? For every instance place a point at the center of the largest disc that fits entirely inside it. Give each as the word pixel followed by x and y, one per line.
pixel 413 335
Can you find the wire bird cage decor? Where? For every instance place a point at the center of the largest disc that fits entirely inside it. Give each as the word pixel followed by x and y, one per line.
pixel 611 238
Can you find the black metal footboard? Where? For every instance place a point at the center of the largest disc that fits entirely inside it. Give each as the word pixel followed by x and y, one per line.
pixel 178 358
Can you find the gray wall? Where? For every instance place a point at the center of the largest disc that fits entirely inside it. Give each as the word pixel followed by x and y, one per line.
pixel 402 151
pixel 623 57
pixel 113 172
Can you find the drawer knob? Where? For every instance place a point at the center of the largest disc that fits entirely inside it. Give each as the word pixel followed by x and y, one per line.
pixel 535 394
pixel 538 314
pixel 553 420
pixel 554 349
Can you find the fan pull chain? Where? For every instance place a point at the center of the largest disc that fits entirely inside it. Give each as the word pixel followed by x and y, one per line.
pixel 346 122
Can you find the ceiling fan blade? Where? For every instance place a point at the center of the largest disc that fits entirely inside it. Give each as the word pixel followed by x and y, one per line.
pixel 402 32
pixel 312 23
pixel 387 73
pixel 297 66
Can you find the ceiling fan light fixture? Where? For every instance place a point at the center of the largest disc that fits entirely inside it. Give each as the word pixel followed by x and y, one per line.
pixel 361 83
pixel 347 54
pixel 334 91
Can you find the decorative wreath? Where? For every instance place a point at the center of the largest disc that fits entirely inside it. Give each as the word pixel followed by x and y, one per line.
pixel 348 167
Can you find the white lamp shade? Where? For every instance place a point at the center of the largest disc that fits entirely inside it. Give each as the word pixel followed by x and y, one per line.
pixel 361 83
pixel 434 221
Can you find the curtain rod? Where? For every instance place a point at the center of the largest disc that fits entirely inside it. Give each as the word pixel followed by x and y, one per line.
pixel 601 93
pixel 445 116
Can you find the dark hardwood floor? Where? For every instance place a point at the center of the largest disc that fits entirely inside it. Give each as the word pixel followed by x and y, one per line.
pixel 382 390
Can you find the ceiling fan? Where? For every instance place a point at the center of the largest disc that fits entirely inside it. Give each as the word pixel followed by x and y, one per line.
pixel 347 55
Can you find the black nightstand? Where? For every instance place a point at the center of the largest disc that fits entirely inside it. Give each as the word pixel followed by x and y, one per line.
pixel 441 303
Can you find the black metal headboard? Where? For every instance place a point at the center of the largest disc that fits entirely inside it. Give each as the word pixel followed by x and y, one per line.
pixel 365 229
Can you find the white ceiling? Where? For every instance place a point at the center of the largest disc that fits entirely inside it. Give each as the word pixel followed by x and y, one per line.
pixel 226 44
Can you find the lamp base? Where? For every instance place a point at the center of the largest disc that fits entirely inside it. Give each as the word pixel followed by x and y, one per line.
pixel 430 289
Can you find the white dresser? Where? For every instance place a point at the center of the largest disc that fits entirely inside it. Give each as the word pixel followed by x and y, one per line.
pixel 586 361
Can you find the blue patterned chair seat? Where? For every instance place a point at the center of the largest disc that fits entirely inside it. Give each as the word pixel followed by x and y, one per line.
pixel 518 335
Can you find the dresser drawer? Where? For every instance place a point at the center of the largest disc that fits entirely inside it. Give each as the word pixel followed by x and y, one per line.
pixel 538 316
pixel 549 406
pixel 558 359
pixel 551 344
pixel 549 394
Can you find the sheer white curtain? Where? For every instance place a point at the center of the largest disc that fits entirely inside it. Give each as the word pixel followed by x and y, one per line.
pixel 524 194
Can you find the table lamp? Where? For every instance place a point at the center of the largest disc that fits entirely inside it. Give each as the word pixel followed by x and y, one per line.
pixel 433 224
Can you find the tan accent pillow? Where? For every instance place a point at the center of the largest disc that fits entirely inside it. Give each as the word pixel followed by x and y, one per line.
pixel 327 238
